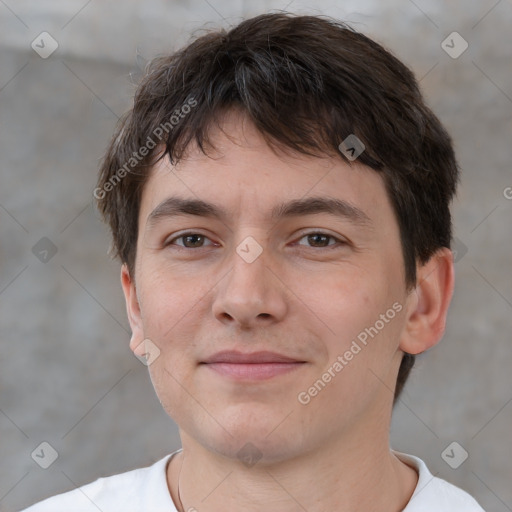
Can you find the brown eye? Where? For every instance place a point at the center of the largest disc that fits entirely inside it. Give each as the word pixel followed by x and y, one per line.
pixel 189 241
pixel 193 240
pixel 320 240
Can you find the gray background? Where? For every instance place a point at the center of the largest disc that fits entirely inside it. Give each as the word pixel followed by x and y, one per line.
pixel 67 376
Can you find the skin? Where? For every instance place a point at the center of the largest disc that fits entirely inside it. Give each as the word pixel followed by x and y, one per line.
pixel 305 297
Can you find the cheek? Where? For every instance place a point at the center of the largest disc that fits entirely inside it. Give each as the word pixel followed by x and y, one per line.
pixel 166 299
pixel 363 317
pixel 170 309
pixel 345 301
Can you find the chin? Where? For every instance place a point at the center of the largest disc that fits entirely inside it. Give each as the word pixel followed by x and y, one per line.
pixel 253 442
pixel 250 452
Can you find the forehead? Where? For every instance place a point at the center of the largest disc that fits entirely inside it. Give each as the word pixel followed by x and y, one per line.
pixel 242 172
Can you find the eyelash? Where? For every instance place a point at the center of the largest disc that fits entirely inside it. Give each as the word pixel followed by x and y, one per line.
pixel 190 233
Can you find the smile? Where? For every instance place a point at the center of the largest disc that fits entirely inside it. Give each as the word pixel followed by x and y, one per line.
pixel 253 366
pixel 253 371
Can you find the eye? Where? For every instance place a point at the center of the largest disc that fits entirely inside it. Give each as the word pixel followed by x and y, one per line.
pixel 190 240
pixel 320 239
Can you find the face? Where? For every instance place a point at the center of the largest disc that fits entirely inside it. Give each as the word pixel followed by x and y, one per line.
pixel 277 303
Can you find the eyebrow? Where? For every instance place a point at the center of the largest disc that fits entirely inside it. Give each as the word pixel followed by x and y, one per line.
pixel 178 206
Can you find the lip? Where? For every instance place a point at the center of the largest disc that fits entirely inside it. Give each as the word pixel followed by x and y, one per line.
pixel 252 366
pixel 235 357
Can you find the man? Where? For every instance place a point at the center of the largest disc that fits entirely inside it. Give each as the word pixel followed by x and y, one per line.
pixel 279 198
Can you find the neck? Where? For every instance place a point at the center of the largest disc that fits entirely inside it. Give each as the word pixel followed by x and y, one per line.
pixel 356 472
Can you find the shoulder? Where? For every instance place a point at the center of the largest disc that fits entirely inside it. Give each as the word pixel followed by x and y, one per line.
pixel 434 493
pixel 136 490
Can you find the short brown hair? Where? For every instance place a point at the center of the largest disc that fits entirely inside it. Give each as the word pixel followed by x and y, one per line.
pixel 307 83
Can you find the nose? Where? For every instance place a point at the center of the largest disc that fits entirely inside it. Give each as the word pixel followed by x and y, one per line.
pixel 250 294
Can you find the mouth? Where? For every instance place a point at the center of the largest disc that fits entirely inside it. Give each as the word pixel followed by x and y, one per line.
pixel 253 366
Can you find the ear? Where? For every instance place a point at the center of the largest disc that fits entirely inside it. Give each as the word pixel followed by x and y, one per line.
pixel 133 311
pixel 427 304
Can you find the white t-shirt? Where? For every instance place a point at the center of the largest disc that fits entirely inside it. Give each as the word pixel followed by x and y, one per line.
pixel 145 490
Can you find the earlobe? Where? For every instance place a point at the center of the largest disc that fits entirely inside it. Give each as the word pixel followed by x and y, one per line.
pixel 428 303
pixel 132 308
